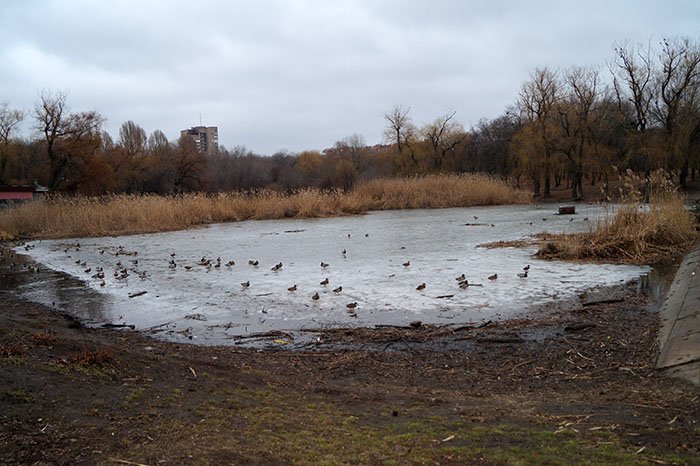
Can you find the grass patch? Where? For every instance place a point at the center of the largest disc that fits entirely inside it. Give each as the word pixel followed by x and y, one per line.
pixel 134 396
pixel 60 217
pixel 283 428
pixel 18 395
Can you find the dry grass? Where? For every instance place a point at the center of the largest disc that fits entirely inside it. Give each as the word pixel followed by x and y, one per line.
pixel 121 214
pixel 515 243
pixel 634 235
pixel 437 191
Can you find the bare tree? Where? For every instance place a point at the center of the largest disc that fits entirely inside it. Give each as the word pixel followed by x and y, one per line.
pixel 189 166
pixel 401 131
pixel 577 117
pixel 129 158
pixel 676 100
pixel 632 81
pixel 443 135
pixel 351 148
pixel 63 132
pixel 537 101
pixel 9 120
pixel 132 138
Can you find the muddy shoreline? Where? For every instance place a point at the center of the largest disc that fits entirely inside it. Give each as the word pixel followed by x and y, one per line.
pixel 567 386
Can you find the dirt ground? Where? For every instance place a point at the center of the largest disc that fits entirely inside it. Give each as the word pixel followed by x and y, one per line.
pixel 574 386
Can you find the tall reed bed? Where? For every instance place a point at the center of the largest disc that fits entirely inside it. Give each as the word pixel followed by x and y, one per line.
pixel 62 216
pixel 635 234
pixel 438 191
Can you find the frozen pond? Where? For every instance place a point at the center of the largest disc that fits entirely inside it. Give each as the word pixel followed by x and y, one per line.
pixel 191 295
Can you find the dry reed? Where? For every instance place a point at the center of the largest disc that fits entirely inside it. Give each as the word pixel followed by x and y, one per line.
pixel 61 216
pixel 635 234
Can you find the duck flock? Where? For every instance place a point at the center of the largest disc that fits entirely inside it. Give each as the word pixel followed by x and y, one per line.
pixel 384 268
pixel 127 266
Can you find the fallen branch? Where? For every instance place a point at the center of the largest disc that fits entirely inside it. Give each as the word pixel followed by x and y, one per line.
pixel 579 326
pixel 500 340
pixel 131 326
pixel 117 460
pixel 472 327
pixel 603 301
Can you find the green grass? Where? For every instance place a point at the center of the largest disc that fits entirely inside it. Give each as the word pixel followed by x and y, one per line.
pixel 284 428
pixel 18 395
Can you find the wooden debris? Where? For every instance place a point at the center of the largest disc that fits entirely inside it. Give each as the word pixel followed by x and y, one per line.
pixel 131 326
pixel 575 327
pixel 603 301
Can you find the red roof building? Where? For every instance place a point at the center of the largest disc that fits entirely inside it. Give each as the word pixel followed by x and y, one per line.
pixel 21 193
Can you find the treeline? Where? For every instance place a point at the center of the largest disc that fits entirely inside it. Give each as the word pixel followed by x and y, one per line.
pixel 568 128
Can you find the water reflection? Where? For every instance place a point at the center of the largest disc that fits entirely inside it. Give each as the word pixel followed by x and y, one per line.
pixel 19 274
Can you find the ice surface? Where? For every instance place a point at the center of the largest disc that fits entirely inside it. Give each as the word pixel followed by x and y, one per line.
pixel 212 305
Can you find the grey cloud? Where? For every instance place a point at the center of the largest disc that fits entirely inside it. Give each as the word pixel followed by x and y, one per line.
pixel 302 74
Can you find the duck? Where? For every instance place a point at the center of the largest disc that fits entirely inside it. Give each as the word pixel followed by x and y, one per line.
pixel 230 264
pixel 352 305
pixel 407 263
pixel 245 284
pixel 522 275
pixel 461 278
pixel 493 277
pixel 253 263
pixel 315 296
pixel 526 268
pixel 292 288
pixel 324 265
pixel 338 290
pixel 420 287
pixel 464 285
pixel 324 282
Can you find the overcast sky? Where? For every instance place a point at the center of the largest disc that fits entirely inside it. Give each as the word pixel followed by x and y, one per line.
pixel 302 74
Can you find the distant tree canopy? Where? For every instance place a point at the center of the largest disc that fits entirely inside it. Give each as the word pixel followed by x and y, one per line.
pixel 567 128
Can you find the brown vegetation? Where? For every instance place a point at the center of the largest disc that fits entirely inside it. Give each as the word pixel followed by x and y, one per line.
pixel 634 234
pixel 125 214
